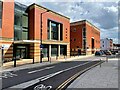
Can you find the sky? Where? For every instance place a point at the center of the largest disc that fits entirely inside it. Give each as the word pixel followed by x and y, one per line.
pixel 102 13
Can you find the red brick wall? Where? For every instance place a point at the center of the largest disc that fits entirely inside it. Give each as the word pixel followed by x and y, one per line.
pixel 77 35
pixel 93 32
pixel 31 24
pixel 8 20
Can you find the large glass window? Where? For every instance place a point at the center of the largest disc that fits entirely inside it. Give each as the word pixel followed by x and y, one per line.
pixel 54 31
pixel 54 50
pixel 0 14
pixel 45 50
pixel 18 35
pixel 24 35
pixel 20 23
pixel 18 19
pixel 24 21
pixel 63 49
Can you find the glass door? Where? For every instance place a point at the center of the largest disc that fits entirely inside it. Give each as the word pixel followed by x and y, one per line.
pixel 21 52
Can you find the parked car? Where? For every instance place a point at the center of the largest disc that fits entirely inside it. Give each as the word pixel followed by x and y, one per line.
pixel 113 52
pixel 102 52
pixel 98 53
pixel 107 52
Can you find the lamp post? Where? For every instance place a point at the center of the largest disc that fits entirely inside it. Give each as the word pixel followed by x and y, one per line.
pixel 41 56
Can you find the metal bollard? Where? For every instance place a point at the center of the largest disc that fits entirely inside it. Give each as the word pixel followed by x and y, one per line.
pixel 106 59
pixel 56 57
pixel 33 61
pixel 50 59
pixel 14 59
pixel 100 61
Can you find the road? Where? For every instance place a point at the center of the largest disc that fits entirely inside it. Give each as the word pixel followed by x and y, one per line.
pixel 50 76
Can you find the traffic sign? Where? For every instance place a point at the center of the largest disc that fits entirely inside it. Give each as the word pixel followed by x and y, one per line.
pixel 41 46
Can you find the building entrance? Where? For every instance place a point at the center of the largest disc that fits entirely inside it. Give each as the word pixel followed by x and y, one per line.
pixel 21 52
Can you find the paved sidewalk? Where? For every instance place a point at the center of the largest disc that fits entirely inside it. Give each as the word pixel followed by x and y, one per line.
pixel 105 76
pixel 9 65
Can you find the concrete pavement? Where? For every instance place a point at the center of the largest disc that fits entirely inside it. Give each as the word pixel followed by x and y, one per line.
pixel 105 76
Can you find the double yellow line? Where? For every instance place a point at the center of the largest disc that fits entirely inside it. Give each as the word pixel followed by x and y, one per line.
pixel 64 84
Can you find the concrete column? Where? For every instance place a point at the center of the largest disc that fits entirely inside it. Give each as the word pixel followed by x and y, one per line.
pixel 59 32
pixel 58 50
pixel 50 30
pixel 49 50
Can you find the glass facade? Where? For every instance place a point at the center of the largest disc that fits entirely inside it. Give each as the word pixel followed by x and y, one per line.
pixel 45 50
pixel 20 22
pixel 63 49
pixel 21 51
pixel 54 50
pixel 0 14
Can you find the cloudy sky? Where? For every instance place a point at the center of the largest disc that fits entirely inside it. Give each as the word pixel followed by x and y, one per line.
pixel 103 14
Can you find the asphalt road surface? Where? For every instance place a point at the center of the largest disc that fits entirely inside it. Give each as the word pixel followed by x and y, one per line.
pixel 50 76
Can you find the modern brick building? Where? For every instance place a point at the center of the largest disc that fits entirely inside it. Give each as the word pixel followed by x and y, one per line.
pixel 84 38
pixel 20 32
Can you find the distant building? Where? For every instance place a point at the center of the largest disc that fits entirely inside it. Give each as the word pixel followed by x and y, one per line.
pixel 106 44
pixel 84 38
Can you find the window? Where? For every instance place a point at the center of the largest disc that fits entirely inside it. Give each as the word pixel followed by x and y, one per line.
pixel 61 31
pixel 84 44
pixel 103 45
pixel 84 32
pixel 63 50
pixel 20 23
pixel 0 14
pixel 24 21
pixel 74 39
pixel 74 30
pixel 77 46
pixel 54 50
pixel 103 41
pixel 54 30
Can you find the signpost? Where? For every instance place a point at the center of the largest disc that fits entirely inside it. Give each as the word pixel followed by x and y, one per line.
pixel 1 55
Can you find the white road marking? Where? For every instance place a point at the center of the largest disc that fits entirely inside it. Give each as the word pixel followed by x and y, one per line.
pixel 26 84
pixel 7 74
pixel 32 82
pixel 41 69
pixel 64 70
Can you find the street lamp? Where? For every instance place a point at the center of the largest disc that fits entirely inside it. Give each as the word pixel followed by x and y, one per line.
pixel 41 56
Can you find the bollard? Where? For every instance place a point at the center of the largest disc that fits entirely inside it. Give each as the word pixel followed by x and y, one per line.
pixel 50 59
pixel 2 56
pixel 100 63
pixel 33 61
pixel 56 57
pixel 106 59
pixel 14 59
